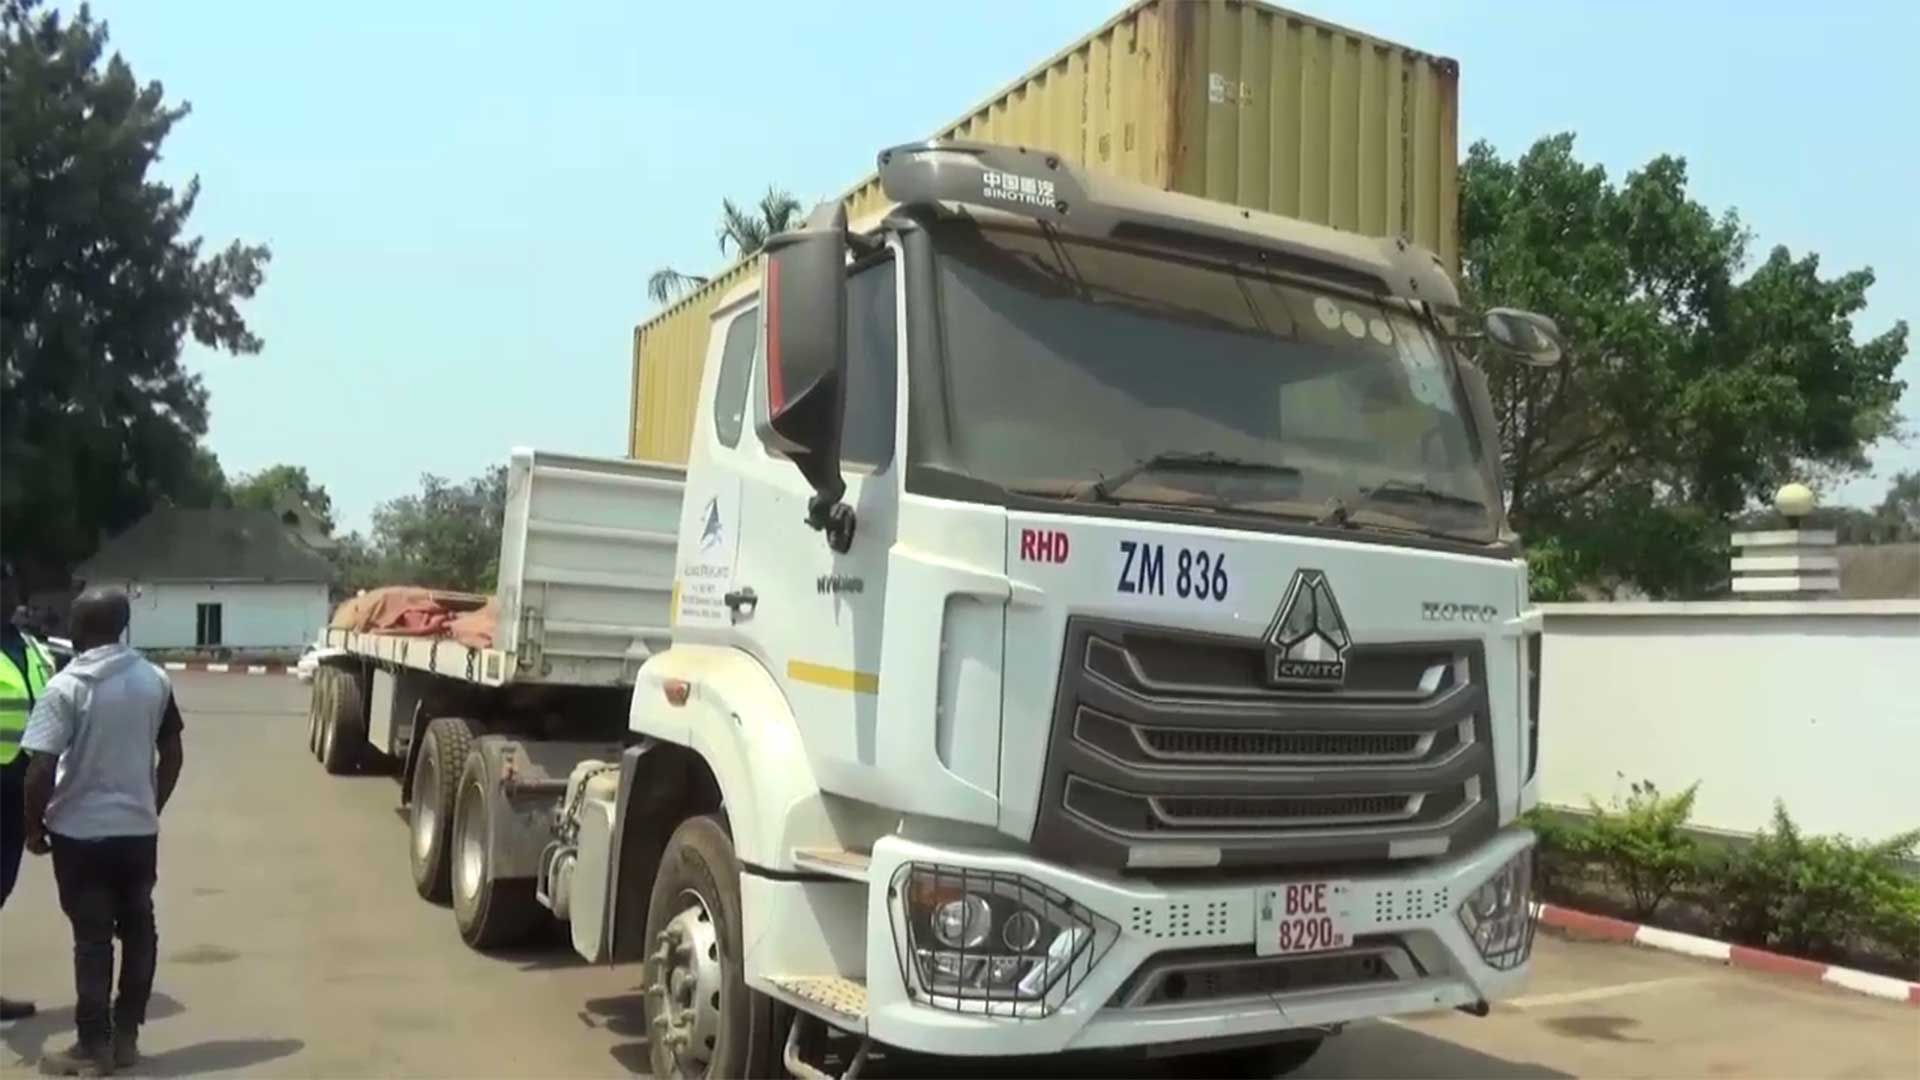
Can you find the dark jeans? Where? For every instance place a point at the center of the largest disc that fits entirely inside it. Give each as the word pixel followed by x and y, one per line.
pixel 13 822
pixel 106 889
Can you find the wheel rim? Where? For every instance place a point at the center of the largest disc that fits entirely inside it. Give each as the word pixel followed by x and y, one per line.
pixel 426 802
pixel 683 988
pixel 471 853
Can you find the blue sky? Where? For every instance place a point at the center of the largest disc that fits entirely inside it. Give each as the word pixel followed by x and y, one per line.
pixel 464 199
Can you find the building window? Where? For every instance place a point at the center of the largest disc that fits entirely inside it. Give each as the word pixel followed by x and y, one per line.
pixel 206 625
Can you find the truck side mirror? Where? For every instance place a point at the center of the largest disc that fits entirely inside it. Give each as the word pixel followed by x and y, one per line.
pixel 804 319
pixel 1532 339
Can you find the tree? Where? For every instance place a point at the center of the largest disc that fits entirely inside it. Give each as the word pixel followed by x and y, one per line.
pixel 445 537
pixel 1692 386
pixel 745 231
pixel 1899 512
pixel 357 565
pixel 99 422
pixel 274 487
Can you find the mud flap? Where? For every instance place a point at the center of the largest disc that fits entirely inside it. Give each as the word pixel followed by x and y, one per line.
pixel 531 774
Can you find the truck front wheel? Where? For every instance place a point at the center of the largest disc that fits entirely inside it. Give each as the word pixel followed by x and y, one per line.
pixel 431 791
pixel 702 1018
pixel 491 911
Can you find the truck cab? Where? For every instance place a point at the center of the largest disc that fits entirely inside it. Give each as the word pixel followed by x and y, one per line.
pixel 1094 625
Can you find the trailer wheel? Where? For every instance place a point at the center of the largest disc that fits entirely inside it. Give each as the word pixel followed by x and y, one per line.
pixel 343 730
pixel 491 912
pixel 431 790
pixel 316 696
pixel 702 1018
pixel 327 681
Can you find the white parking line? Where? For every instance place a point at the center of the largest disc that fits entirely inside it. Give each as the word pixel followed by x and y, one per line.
pixel 1596 993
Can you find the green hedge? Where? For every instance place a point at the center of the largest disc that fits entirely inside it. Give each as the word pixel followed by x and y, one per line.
pixel 1822 897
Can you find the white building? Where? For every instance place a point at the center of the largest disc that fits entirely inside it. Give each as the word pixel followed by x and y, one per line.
pixel 236 579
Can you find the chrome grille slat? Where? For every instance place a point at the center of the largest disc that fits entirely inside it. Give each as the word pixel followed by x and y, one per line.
pixel 1214 744
pixel 1236 668
pixel 1142 817
pixel 1189 811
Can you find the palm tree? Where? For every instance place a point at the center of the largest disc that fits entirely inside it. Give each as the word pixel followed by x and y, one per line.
pixel 667 284
pixel 742 232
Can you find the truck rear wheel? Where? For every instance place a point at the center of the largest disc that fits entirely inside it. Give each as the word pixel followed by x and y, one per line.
pixel 702 1018
pixel 431 791
pixel 491 912
pixel 343 727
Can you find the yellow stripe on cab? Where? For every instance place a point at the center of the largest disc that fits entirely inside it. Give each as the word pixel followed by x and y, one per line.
pixel 834 678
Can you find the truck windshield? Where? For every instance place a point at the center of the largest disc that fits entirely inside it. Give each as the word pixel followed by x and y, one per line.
pixel 1087 371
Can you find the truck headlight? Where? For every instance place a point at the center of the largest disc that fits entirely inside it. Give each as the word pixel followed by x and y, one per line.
pixel 990 942
pixel 963 922
pixel 1499 917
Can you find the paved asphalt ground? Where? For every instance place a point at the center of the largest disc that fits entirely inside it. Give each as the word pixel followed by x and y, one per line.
pixel 292 944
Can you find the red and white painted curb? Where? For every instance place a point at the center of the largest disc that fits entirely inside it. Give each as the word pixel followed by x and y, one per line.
pixel 1582 924
pixel 227 669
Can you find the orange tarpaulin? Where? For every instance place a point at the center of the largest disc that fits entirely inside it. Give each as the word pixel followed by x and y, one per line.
pixel 409 611
pixel 475 627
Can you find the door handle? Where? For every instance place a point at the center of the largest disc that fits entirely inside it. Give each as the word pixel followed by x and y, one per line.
pixel 741 602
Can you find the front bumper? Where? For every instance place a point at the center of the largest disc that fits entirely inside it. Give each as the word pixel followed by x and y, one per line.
pixel 1411 912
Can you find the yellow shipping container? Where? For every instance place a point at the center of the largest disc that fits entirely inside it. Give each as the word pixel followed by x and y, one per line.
pixel 1227 99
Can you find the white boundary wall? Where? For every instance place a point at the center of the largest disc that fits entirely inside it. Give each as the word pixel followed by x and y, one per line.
pixel 1813 702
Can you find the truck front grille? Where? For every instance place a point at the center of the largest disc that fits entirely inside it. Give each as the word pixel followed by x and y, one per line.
pixel 1168 739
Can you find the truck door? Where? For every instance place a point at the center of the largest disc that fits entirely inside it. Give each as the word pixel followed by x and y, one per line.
pixel 816 620
pixel 710 511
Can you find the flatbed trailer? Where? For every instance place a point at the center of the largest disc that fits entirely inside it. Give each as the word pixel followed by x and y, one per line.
pixel 584 593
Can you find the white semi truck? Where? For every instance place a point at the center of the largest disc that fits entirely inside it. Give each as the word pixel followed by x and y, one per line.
pixel 1088 622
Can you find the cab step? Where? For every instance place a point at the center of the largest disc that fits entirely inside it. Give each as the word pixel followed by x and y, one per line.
pixel 844 998
pixel 833 862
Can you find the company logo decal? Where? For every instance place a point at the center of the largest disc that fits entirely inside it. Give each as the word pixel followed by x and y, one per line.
pixel 1308 641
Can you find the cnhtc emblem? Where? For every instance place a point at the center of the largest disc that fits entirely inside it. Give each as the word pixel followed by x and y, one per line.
pixel 1307 643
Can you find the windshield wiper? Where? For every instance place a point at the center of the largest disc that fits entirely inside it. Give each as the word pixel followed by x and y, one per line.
pixel 1102 490
pixel 1340 510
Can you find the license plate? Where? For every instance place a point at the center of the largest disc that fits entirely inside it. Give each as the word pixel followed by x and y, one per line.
pixel 1304 917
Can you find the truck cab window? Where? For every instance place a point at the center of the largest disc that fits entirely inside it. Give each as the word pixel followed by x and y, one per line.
pixel 736 370
pixel 872 366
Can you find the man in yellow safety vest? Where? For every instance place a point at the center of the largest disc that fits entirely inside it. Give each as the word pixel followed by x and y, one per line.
pixel 25 668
